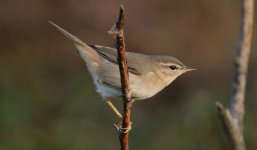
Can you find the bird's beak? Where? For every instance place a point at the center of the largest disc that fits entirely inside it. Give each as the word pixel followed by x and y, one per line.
pixel 188 69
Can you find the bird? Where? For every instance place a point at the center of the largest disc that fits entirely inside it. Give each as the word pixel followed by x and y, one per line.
pixel 148 74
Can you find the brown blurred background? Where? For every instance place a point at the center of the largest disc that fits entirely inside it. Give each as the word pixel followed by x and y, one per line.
pixel 48 101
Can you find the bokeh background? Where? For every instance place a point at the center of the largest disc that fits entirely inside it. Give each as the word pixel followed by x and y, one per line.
pixel 47 98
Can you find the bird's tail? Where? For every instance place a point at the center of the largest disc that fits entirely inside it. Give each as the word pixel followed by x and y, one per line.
pixel 86 52
pixel 75 40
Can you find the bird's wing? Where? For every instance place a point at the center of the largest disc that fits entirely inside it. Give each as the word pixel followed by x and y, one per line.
pixel 110 54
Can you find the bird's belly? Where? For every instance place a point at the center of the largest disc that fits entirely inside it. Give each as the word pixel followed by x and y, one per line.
pixel 139 92
pixel 106 91
pixel 142 87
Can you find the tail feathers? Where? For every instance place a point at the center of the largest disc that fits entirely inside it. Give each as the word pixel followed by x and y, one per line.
pixel 75 40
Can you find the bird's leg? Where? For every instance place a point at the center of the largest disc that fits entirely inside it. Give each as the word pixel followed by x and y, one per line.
pixel 118 126
pixel 109 103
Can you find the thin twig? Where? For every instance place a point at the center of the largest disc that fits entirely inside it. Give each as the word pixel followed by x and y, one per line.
pixel 232 117
pixel 118 32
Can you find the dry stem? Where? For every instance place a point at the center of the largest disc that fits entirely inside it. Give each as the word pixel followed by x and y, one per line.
pixel 232 118
pixel 118 32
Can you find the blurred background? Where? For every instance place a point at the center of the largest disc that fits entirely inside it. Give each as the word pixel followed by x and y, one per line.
pixel 47 98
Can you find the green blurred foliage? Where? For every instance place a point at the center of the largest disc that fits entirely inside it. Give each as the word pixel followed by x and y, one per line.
pixel 48 101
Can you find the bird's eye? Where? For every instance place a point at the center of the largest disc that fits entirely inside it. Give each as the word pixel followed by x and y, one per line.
pixel 173 67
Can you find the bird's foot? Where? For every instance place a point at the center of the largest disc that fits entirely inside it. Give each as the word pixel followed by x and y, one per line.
pixel 121 129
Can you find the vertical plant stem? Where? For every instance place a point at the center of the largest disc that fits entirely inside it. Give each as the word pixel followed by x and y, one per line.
pixel 118 32
pixel 242 58
pixel 233 117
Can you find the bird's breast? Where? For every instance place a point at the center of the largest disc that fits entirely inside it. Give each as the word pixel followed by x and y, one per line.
pixel 145 86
